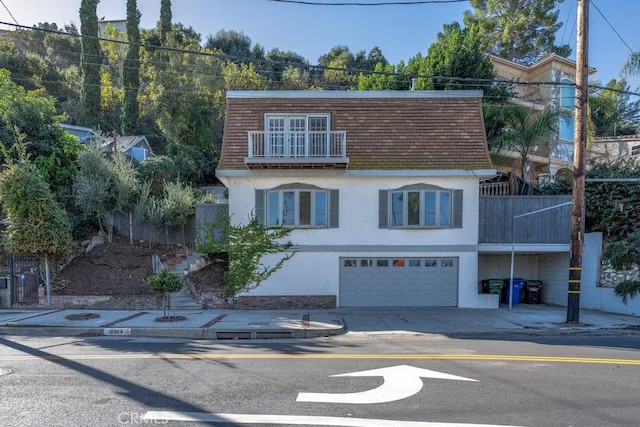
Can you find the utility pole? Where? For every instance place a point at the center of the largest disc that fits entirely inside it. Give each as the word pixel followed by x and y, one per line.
pixel 580 142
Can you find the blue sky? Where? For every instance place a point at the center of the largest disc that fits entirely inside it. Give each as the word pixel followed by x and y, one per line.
pixel 401 31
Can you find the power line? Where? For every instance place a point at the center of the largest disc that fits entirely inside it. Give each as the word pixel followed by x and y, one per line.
pixel 383 3
pixel 8 11
pixel 614 30
pixel 399 77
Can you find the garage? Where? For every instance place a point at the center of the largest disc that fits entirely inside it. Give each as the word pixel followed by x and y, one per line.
pixel 398 282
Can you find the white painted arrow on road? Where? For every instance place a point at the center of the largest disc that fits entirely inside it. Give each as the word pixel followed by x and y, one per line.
pixel 399 383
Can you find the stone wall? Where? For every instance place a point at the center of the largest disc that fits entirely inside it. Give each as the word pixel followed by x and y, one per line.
pixel 610 277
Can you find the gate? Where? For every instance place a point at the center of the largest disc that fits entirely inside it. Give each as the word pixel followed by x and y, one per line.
pixel 22 275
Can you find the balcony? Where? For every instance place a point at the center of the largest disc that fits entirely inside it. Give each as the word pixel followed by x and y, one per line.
pixel 297 150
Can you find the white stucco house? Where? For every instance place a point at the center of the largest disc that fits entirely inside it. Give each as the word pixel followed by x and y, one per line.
pixel 381 189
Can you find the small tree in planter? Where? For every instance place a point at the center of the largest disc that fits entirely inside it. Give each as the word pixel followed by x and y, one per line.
pixel 166 282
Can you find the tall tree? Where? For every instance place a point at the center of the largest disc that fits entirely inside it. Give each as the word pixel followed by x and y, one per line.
pixel 112 91
pixel 31 117
pixel 456 56
pixel 632 66
pixel 90 62
pixel 522 31
pixel 276 61
pixel 336 64
pixel 164 26
pixel 181 95
pixel 235 44
pixel 612 111
pixel 384 77
pixel 40 226
pixel 131 71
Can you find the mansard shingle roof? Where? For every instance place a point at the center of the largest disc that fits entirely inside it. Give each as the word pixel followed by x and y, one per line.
pixel 385 130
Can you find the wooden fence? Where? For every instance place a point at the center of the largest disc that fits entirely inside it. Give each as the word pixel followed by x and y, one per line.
pixel 549 227
pixel 140 230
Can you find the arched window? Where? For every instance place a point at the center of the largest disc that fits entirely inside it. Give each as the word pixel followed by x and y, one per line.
pixel 567 102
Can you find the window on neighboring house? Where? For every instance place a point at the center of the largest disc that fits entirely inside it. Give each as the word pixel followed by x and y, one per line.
pixel 297 205
pixel 420 206
pixel 297 135
pixel 567 102
pixel 635 150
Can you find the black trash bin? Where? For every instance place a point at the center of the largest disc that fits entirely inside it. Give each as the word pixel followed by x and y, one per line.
pixel 533 290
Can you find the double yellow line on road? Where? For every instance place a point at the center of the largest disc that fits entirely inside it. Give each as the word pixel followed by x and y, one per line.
pixel 289 356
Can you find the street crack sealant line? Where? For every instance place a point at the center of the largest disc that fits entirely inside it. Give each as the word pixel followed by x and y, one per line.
pixel 214 356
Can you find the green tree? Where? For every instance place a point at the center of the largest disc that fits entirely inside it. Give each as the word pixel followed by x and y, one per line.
pixel 164 25
pixel 456 56
pixel 130 71
pixel 522 31
pixel 295 78
pixel 336 65
pixel 90 62
pixel 92 184
pixel 177 206
pixel 39 225
pixel 236 45
pixel 43 60
pixel 167 283
pixel 524 128
pixel 613 112
pixel 632 66
pixel 246 247
pixel 183 94
pixel 276 62
pixel 156 171
pixel 31 116
pixel 383 78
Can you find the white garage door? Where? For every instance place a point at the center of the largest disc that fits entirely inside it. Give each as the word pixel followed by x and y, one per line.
pixel 393 282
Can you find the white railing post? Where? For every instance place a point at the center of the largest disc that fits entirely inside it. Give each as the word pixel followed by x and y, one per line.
pixel 249 136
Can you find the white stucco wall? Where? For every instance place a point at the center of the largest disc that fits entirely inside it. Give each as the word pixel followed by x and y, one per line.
pixel 596 297
pixel 359 210
pixel 318 273
pixel 592 296
pixel 314 269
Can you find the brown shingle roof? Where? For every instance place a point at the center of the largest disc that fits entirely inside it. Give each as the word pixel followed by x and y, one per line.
pixel 385 130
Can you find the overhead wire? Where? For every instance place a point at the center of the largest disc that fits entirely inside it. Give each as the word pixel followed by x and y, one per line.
pixel 8 11
pixel 377 3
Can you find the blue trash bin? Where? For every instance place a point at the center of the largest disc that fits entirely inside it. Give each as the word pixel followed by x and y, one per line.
pixel 518 285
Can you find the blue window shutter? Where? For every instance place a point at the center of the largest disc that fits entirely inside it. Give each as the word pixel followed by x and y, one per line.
pixel 334 208
pixel 260 208
pixel 457 208
pixel 383 209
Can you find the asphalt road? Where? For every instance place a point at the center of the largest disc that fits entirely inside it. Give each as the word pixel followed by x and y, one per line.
pixel 351 381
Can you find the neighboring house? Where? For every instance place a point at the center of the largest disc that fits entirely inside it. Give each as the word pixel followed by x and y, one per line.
pixel 137 147
pixel 381 188
pixel 615 148
pixel 83 134
pixel 549 82
pixel 118 24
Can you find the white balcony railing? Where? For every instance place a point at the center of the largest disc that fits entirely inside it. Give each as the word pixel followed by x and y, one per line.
pixel 311 145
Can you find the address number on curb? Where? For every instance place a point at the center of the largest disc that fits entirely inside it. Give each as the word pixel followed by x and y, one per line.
pixel 117 331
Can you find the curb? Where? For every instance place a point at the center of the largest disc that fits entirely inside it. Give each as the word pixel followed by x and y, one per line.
pixel 186 333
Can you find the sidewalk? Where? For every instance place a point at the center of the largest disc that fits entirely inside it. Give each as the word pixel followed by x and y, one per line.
pixel 265 324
